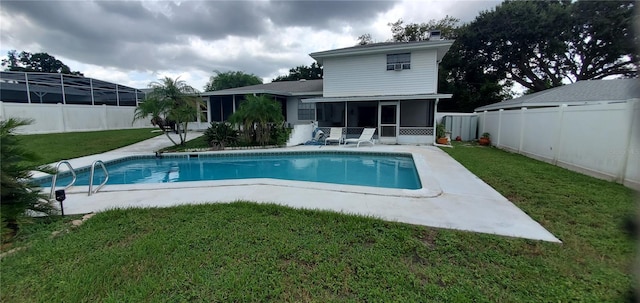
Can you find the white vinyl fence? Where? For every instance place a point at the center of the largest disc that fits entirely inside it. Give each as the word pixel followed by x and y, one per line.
pixel 59 118
pixel 600 140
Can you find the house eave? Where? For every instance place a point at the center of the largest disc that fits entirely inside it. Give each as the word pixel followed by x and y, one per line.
pixel 377 98
pixel 260 91
pixel 297 94
pixel 245 92
pixel 444 45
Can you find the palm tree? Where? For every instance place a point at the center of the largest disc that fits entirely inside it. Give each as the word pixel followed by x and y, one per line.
pixel 17 194
pixel 257 115
pixel 170 100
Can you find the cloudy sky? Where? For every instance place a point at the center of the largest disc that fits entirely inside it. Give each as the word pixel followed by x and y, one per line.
pixel 136 42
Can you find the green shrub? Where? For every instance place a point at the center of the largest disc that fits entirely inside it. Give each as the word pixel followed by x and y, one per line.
pixel 279 134
pixel 221 134
pixel 17 194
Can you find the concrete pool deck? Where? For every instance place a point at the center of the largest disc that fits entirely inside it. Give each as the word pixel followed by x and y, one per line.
pixel 456 198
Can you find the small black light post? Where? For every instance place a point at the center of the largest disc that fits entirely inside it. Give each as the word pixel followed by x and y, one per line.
pixel 60 196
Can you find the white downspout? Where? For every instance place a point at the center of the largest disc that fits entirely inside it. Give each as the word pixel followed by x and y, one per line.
pixel 435 122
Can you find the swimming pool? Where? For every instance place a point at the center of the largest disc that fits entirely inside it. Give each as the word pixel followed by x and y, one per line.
pixel 384 170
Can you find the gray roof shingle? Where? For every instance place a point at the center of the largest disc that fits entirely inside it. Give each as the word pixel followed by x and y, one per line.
pixel 581 92
pixel 286 88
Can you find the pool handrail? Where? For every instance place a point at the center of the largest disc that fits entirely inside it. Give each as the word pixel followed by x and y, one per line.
pixel 106 173
pixel 55 177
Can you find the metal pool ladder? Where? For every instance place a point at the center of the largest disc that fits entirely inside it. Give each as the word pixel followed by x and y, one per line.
pixel 93 168
pixel 55 177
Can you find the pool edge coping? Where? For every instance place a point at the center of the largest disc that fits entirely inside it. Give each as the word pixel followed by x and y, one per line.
pixel 421 166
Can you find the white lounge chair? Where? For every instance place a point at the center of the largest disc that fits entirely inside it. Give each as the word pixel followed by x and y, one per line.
pixel 334 136
pixel 366 136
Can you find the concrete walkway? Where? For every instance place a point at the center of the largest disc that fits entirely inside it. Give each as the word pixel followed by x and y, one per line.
pixel 452 196
pixel 155 143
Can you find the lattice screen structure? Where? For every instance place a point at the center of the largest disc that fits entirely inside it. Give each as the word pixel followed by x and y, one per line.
pixel 52 88
pixel 416 131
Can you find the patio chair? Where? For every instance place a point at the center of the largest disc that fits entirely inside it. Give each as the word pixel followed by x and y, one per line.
pixel 366 136
pixel 334 136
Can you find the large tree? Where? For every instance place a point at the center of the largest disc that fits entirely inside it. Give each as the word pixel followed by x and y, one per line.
pixel 37 62
pixel 170 101
pixel 538 44
pixel 421 31
pixel 312 72
pixel 602 41
pixel 461 72
pixel 464 76
pixel 231 79
pixel 543 44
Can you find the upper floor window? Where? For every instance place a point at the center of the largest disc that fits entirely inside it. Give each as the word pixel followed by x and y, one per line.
pixel 399 61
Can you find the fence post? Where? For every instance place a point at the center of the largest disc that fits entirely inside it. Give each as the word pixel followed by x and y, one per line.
pixel 61 116
pixel 484 121
pixel 105 117
pixel 631 116
pixel 523 116
pixel 499 126
pixel 558 140
pixel 2 111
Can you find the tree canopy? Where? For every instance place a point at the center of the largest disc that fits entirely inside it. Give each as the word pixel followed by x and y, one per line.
pixel 537 44
pixel 312 72
pixel 37 62
pixel 365 39
pixel 420 31
pixel 543 44
pixel 466 79
pixel 231 79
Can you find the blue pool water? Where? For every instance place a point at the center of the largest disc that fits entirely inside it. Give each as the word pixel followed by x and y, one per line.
pixel 390 171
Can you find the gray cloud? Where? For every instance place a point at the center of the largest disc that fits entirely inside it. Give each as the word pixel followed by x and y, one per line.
pixel 153 36
pixel 466 11
pixel 323 14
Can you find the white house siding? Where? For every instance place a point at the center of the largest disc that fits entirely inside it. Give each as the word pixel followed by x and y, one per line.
pixel 367 75
pixel 415 140
pixel 292 110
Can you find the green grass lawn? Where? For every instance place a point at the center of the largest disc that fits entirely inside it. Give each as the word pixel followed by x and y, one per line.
pixel 55 147
pixel 255 252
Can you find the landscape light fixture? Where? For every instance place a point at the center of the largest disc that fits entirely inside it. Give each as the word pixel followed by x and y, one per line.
pixel 60 196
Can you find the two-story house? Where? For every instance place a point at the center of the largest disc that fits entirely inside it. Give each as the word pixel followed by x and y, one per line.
pixel 392 87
